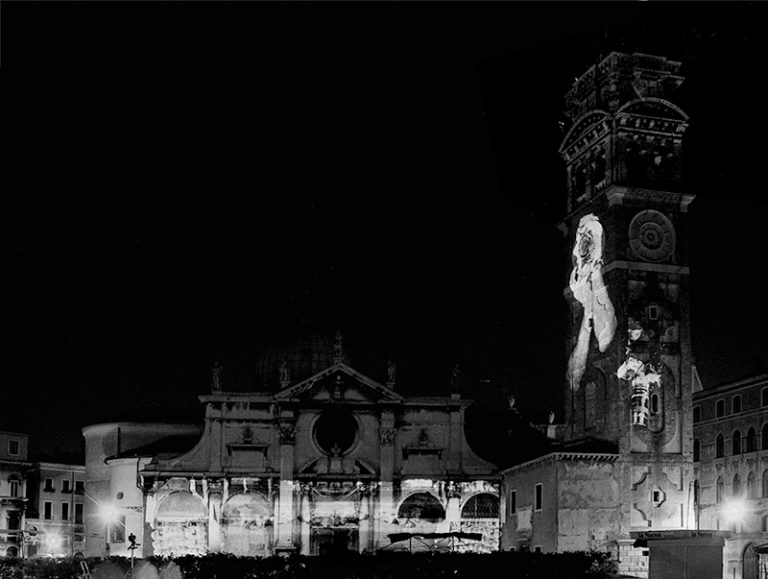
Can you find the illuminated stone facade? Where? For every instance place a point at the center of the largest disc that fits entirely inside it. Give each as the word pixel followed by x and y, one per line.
pixel 628 395
pixel 731 467
pixel 332 462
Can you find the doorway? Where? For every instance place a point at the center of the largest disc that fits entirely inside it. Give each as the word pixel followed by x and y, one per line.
pixel 750 569
pixel 333 541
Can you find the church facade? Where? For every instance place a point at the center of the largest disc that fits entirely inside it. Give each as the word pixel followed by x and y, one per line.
pixel 624 461
pixel 328 463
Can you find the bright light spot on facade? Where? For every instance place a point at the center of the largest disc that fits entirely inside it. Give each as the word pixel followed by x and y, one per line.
pixel 734 510
pixel 109 513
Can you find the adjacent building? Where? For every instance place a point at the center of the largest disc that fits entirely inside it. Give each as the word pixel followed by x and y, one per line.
pixel 317 459
pixel 14 453
pixel 55 524
pixel 730 454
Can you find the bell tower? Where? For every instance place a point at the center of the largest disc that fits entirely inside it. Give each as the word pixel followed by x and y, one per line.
pixel 628 384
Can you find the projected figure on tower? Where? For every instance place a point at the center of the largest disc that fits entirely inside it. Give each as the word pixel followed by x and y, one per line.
pixel 590 291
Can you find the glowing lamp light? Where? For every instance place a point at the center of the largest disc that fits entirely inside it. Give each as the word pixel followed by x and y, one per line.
pixel 733 510
pixel 109 513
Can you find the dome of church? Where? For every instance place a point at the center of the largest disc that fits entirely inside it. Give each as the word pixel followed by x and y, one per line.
pixel 303 357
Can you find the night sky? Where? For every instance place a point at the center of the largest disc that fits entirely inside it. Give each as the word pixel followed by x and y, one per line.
pixel 191 182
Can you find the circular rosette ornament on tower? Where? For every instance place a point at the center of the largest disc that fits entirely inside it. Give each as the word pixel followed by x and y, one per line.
pixel 652 236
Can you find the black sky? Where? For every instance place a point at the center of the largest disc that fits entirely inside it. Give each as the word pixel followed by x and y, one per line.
pixel 190 182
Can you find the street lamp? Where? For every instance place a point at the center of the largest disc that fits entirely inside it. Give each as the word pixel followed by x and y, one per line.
pixel 53 542
pixel 110 514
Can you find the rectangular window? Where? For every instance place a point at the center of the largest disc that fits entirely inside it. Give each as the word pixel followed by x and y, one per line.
pixel 64 511
pixel 736 404
pixel 13 447
pixel 539 497
pixel 66 486
pixel 78 513
pixel 117 531
pixel 696 414
pixel 512 502
pixel 14 488
pixel 764 397
pixel 49 485
pixel 47 510
pixel 79 487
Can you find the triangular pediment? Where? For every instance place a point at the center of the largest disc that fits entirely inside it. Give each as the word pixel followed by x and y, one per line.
pixel 367 387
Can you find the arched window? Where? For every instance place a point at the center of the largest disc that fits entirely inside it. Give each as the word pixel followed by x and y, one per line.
pixel 736 489
pixel 719 446
pixel 736 442
pixel 720 408
pixel 180 514
pixel 654 403
pixel 751 490
pixel 719 490
pixel 482 506
pixel 751 440
pixel 422 506
pixel 696 450
pixel 764 489
pixel 246 525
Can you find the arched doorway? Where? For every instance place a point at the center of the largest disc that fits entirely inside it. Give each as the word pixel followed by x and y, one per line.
pixel 750 563
pixel 181 526
pixel 246 526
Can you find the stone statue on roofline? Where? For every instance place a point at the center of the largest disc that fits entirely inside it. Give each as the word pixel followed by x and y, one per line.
pixel 456 377
pixel 216 377
pixel 338 352
pixel 391 373
pixel 285 372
